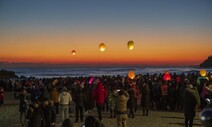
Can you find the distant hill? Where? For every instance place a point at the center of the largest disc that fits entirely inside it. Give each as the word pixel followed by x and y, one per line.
pixel 7 74
pixel 207 62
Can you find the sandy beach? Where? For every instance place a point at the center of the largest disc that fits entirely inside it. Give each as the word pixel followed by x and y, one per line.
pixel 9 117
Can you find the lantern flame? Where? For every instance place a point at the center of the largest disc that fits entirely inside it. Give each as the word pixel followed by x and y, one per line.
pixel 102 47
pixel 131 74
pixel 130 45
pixel 73 52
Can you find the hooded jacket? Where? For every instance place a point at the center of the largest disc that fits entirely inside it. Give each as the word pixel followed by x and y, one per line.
pixel 100 94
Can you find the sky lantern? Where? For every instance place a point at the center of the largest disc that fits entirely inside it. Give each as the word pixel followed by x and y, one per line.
pixel 167 76
pixel 131 74
pixel 102 47
pixel 203 73
pixel 130 45
pixel 73 52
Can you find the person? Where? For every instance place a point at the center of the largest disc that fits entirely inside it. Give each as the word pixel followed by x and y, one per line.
pixel 112 104
pixel 91 121
pixel 49 113
pixel 1 96
pixel 64 101
pixel 29 114
pixel 79 100
pixel 67 123
pixel 54 98
pixel 100 96
pixel 131 102
pixel 121 107
pixel 145 99
pixel 164 93
pixel 23 105
pixel 189 105
pixel 37 118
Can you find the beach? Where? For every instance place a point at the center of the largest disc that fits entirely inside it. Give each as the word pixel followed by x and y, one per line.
pixel 10 117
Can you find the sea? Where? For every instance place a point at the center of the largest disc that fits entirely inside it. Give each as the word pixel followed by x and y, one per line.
pixel 50 72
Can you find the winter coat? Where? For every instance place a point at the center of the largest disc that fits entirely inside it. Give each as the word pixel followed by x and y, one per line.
pixel 100 94
pixel 54 95
pixel 164 90
pixel 131 101
pixel 49 115
pixel 23 103
pixel 45 94
pixel 121 103
pixel 79 98
pixel 189 104
pixel 145 96
pixel 64 98
pixel 37 119
pixel 111 100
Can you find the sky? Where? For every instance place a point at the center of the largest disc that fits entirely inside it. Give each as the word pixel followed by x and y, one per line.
pixel 165 32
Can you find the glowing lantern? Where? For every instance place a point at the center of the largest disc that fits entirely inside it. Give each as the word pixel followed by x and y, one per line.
pixel 167 77
pixel 130 45
pixel 73 52
pixel 203 73
pixel 131 74
pixel 102 47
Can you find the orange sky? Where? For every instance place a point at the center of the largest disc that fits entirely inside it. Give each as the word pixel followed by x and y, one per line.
pixel 150 49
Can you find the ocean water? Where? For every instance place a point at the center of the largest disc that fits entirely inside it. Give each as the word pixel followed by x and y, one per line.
pixel 49 72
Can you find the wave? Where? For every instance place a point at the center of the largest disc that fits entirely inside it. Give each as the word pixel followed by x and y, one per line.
pixel 76 72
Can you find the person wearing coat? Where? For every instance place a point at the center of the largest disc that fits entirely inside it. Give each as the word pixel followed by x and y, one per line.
pixel 100 96
pixel 79 100
pixel 1 96
pixel 145 98
pixel 189 105
pixel 64 100
pixel 49 114
pixel 131 102
pixel 37 117
pixel 54 98
pixel 121 107
pixel 23 106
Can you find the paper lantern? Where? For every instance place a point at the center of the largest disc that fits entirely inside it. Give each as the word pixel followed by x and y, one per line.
pixel 73 52
pixel 130 45
pixel 102 47
pixel 131 74
pixel 203 72
pixel 167 77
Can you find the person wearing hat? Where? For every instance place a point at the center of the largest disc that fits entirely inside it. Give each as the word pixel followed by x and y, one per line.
pixel 190 103
pixel 64 102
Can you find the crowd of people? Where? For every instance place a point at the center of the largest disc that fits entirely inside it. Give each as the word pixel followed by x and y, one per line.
pixel 42 99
